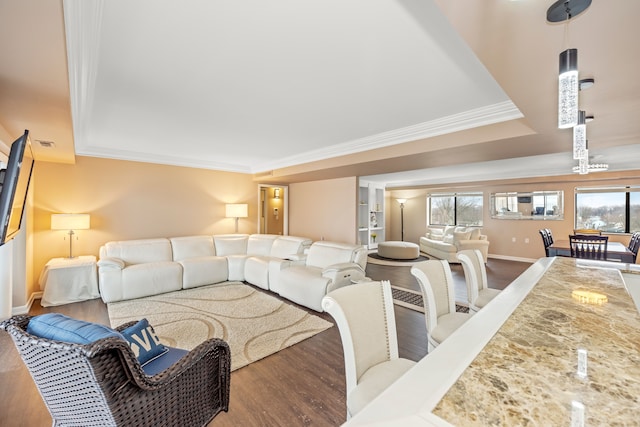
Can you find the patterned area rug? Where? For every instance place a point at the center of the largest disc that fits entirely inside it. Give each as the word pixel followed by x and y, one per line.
pixel 412 299
pixel 254 324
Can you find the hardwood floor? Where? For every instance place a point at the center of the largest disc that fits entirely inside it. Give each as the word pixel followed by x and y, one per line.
pixel 302 385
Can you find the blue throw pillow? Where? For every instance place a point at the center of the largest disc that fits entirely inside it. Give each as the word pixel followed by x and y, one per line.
pixel 144 342
pixel 58 327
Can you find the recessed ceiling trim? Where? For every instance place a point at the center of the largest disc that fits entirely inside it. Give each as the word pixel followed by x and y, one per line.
pixel 496 113
pixel 160 159
pixel 82 27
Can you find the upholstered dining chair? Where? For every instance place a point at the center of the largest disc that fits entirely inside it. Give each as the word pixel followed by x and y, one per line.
pixel 102 383
pixel 634 244
pixel 365 318
pixel 475 274
pixel 547 239
pixel 588 246
pixel 436 283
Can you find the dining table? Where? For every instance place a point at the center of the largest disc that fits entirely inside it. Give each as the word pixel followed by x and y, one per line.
pixel 616 251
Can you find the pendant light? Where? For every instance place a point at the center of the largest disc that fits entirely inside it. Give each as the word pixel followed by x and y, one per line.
pixel 580 137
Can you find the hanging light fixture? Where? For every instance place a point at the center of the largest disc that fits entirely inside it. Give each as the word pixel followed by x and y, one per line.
pixel 584 167
pixel 580 137
pixel 568 83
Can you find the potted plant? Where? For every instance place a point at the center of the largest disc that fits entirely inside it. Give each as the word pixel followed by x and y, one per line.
pixel 373 237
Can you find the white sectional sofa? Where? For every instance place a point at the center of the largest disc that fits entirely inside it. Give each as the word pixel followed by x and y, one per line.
pixel 445 243
pixel 290 266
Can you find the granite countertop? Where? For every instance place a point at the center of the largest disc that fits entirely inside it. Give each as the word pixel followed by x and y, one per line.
pixel 528 372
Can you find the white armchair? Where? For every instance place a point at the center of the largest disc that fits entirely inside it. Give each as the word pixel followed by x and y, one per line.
pixel 366 320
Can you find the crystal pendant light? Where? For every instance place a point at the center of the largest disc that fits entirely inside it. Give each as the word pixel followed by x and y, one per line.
pixel 580 137
pixel 568 89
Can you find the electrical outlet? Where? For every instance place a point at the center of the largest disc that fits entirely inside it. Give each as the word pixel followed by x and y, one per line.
pixel 526 240
pixel 513 240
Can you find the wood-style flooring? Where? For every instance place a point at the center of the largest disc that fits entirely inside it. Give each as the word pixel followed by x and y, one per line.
pixel 302 385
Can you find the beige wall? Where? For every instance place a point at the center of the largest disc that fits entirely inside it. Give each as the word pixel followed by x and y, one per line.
pixel 132 200
pixel 324 209
pixel 500 232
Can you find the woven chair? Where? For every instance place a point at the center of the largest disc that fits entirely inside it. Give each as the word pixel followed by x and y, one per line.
pixel 589 246
pixel 103 384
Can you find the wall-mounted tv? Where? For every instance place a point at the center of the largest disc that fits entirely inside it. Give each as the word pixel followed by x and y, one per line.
pixel 14 185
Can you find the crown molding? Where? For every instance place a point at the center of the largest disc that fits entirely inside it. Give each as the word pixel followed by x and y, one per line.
pixel 483 116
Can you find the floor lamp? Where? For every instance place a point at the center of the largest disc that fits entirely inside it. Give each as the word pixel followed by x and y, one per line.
pixel 402 201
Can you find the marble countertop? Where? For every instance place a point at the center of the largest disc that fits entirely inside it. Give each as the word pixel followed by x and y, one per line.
pixel 527 374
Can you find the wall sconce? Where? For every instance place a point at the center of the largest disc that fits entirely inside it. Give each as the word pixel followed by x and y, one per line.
pixel 70 222
pixel 276 193
pixel 237 210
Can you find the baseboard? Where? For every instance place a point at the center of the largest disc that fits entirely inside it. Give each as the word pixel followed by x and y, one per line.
pixel 512 258
pixel 24 309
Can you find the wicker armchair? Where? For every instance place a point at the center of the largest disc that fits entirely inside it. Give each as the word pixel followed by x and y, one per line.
pixel 103 384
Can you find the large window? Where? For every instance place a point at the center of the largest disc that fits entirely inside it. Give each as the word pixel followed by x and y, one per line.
pixel 455 209
pixel 613 210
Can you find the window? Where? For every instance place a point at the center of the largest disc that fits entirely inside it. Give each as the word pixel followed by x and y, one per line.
pixel 455 209
pixel 612 210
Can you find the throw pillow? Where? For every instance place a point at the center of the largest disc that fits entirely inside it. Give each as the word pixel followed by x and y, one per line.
pixel 58 327
pixel 448 239
pixel 458 236
pixel 144 342
pixel 475 234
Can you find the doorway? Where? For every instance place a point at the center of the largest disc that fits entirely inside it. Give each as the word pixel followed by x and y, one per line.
pixel 273 209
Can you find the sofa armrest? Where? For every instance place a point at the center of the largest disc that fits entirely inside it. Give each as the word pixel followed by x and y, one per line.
pixel 296 258
pixel 342 274
pixel 111 262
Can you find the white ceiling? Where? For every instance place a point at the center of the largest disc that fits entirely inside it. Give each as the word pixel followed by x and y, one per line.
pixel 256 86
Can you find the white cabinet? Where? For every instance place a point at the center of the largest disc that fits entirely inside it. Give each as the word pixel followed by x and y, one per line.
pixel 370 214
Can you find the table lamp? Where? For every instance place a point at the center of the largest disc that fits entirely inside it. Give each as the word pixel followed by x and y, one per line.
pixel 237 210
pixel 70 222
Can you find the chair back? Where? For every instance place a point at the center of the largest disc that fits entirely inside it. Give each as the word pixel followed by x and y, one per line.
pixel 588 231
pixel 366 320
pixel 547 239
pixel 634 243
pixel 475 273
pixel 436 283
pixel 588 246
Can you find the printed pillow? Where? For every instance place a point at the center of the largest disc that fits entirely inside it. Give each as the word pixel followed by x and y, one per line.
pixel 144 342
pixel 58 327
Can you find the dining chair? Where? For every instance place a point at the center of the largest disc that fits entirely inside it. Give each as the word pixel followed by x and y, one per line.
pixel 436 284
pixel 588 231
pixel 588 246
pixel 365 317
pixel 634 244
pixel 547 239
pixel 475 274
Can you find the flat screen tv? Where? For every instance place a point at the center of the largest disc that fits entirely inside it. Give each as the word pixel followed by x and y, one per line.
pixel 14 185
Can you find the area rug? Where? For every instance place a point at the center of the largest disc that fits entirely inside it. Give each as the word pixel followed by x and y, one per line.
pixel 254 324
pixel 374 258
pixel 413 300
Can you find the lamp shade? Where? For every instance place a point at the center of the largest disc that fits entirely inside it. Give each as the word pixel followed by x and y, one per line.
pixel 70 221
pixel 237 210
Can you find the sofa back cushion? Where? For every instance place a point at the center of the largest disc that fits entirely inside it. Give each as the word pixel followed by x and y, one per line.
pixel 231 244
pixel 285 246
pixel 260 244
pixel 192 247
pixel 139 251
pixel 322 254
pixel 475 234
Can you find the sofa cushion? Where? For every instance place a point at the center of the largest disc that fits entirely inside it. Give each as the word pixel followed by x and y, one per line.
pixel 231 244
pixel 323 254
pixel 260 244
pixel 140 251
pixel 58 327
pixel 192 247
pixel 285 246
pixel 144 341
pixel 475 234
